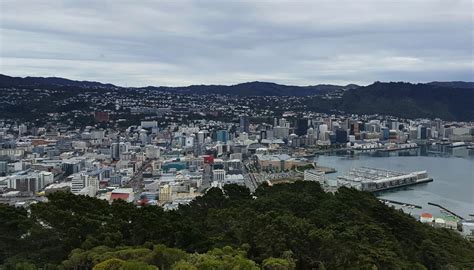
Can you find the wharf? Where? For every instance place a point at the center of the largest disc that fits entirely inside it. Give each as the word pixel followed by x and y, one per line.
pixel 421 181
pixel 326 170
pixel 397 149
pixel 447 210
pixel 400 203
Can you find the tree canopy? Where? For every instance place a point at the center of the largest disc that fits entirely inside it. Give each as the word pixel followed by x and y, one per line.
pixel 285 226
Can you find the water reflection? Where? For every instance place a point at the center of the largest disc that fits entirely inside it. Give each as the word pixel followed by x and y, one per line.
pixel 423 150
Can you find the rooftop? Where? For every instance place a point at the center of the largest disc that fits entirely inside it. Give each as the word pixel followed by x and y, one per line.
pixel 365 174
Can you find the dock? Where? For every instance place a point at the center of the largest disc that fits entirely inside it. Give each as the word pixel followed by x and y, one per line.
pixel 400 203
pixel 447 210
pixel 422 181
pixel 375 180
pixel 326 170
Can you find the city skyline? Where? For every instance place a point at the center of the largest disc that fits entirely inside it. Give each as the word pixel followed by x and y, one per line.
pixel 245 134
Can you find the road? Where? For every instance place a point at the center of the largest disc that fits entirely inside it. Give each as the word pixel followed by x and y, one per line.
pixel 250 179
pixel 136 182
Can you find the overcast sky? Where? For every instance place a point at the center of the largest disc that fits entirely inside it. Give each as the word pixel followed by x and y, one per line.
pixel 138 43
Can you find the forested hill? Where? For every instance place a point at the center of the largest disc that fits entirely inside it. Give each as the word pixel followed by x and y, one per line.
pixel 411 100
pixel 446 100
pixel 259 89
pixel 454 84
pixel 243 89
pixel 48 82
pixel 285 226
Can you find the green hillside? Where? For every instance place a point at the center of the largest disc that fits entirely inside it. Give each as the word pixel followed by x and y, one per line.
pixel 411 101
pixel 282 227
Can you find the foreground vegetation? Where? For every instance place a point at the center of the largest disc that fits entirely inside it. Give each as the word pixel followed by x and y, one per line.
pixel 285 226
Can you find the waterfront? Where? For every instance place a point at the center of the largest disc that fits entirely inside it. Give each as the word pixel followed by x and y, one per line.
pixel 451 169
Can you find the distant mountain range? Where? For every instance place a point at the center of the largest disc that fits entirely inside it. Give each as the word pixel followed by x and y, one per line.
pixel 447 100
pixel 259 89
pixel 7 81
pixel 243 89
pixel 456 84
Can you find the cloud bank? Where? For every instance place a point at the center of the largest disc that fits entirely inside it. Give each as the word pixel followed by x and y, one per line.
pixel 138 43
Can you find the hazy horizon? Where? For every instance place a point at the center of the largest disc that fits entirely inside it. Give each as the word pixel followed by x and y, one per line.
pixel 213 84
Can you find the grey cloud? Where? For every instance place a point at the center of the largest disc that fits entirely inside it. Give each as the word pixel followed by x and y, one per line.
pixel 192 42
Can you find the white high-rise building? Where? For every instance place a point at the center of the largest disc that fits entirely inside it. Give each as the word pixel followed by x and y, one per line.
pixel 29 182
pixel 310 133
pixel 22 129
pixel 77 183
pixel 218 175
pixel 84 184
pixel 201 136
pixel 323 129
pixel 45 178
pixel 284 123
pixel 143 136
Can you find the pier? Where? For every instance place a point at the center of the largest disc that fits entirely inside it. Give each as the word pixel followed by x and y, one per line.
pixel 421 181
pixel 324 169
pixel 400 203
pixel 374 180
pixel 446 209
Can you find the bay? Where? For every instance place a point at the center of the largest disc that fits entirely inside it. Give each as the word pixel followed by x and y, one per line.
pixel 451 168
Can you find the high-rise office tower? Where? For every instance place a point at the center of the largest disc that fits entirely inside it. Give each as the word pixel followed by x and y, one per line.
pixel 244 123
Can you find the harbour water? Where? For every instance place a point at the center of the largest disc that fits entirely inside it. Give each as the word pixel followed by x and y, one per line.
pixel 451 168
